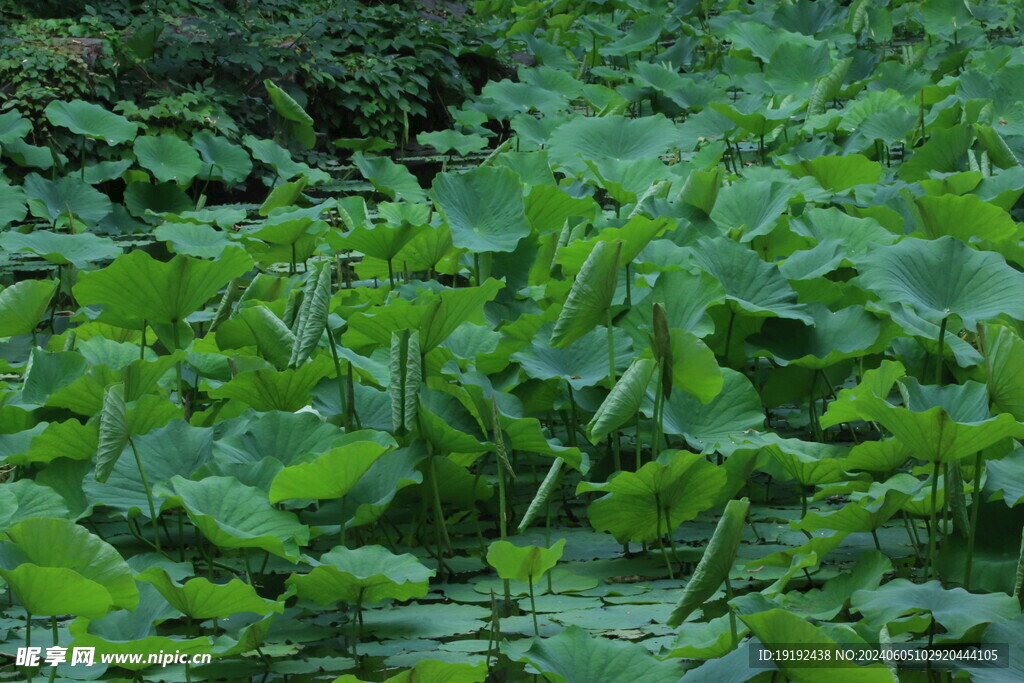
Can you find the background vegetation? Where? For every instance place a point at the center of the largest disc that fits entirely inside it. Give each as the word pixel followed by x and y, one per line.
pixel 387 69
pixel 592 341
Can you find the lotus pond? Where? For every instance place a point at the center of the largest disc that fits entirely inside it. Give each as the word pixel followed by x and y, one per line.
pixel 703 333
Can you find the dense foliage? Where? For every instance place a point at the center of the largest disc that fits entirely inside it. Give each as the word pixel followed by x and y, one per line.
pixel 704 332
pixel 387 69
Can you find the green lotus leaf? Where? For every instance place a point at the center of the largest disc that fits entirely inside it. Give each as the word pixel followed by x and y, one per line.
pixel 13 127
pixel 508 98
pixel 286 232
pixel 611 137
pixel 934 279
pixel 484 208
pixel 753 286
pixel 287 107
pixel 808 462
pixel 848 333
pixel 777 627
pixel 232 515
pixel 582 363
pixel 57 567
pixel 60 248
pixel 330 475
pixel 145 199
pixel 13 208
pixel 751 115
pixel 189 239
pixel 937 423
pixel 956 609
pixel 590 297
pixel 103 171
pixel 827 87
pixel 245 635
pixel 629 181
pixel 395 213
pixel 199 598
pixel 1005 361
pixel 867 513
pixel 716 562
pixel 284 195
pixel 854 235
pixel 552 79
pixel 65 201
pixel 169 158
pixel 176 449
pixel 437 412
pixel 424 620
pixel 634 235
pixel 875 382
pixel 527 435
pixel 389 178
pixel 25 498
pixel 548 207
pixel 943 152
pixel 295 119
pixel 1003 632
pixel 280 159
pixel 428 250
pixel 523 563
pixel 84 395
pixel 70 439
pixel 57 590
pixel 270 389
pixel 15 444
pixel 839 173
pixel 878 456
pixel 284 436
pixel 761 38
pixel 222 160
pixel 532 167
pixel 363 575
pixel 942 18
pixel 685 297
pixel 369 499
pixel 137 287
pixel 694 368
pixel 887 126
pixel 433 671
pixel 644 32
pixel 752 207
pixel 31 156
pixel 624 400
pixel 711 640
pixel 123 632
pixel 435 315
pixel 819 546
pixel 91 120
pixel 379 241
pixel 368 144
pixel 728 418
pixel 447 141
pixel 676 488
pixel 311 318
pixel 577 657
pixel 23 304
pixel 825 603
pixel 795 67
pixel 1004 476
pixel 114 434
pixel 966 218
pixel 811 264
